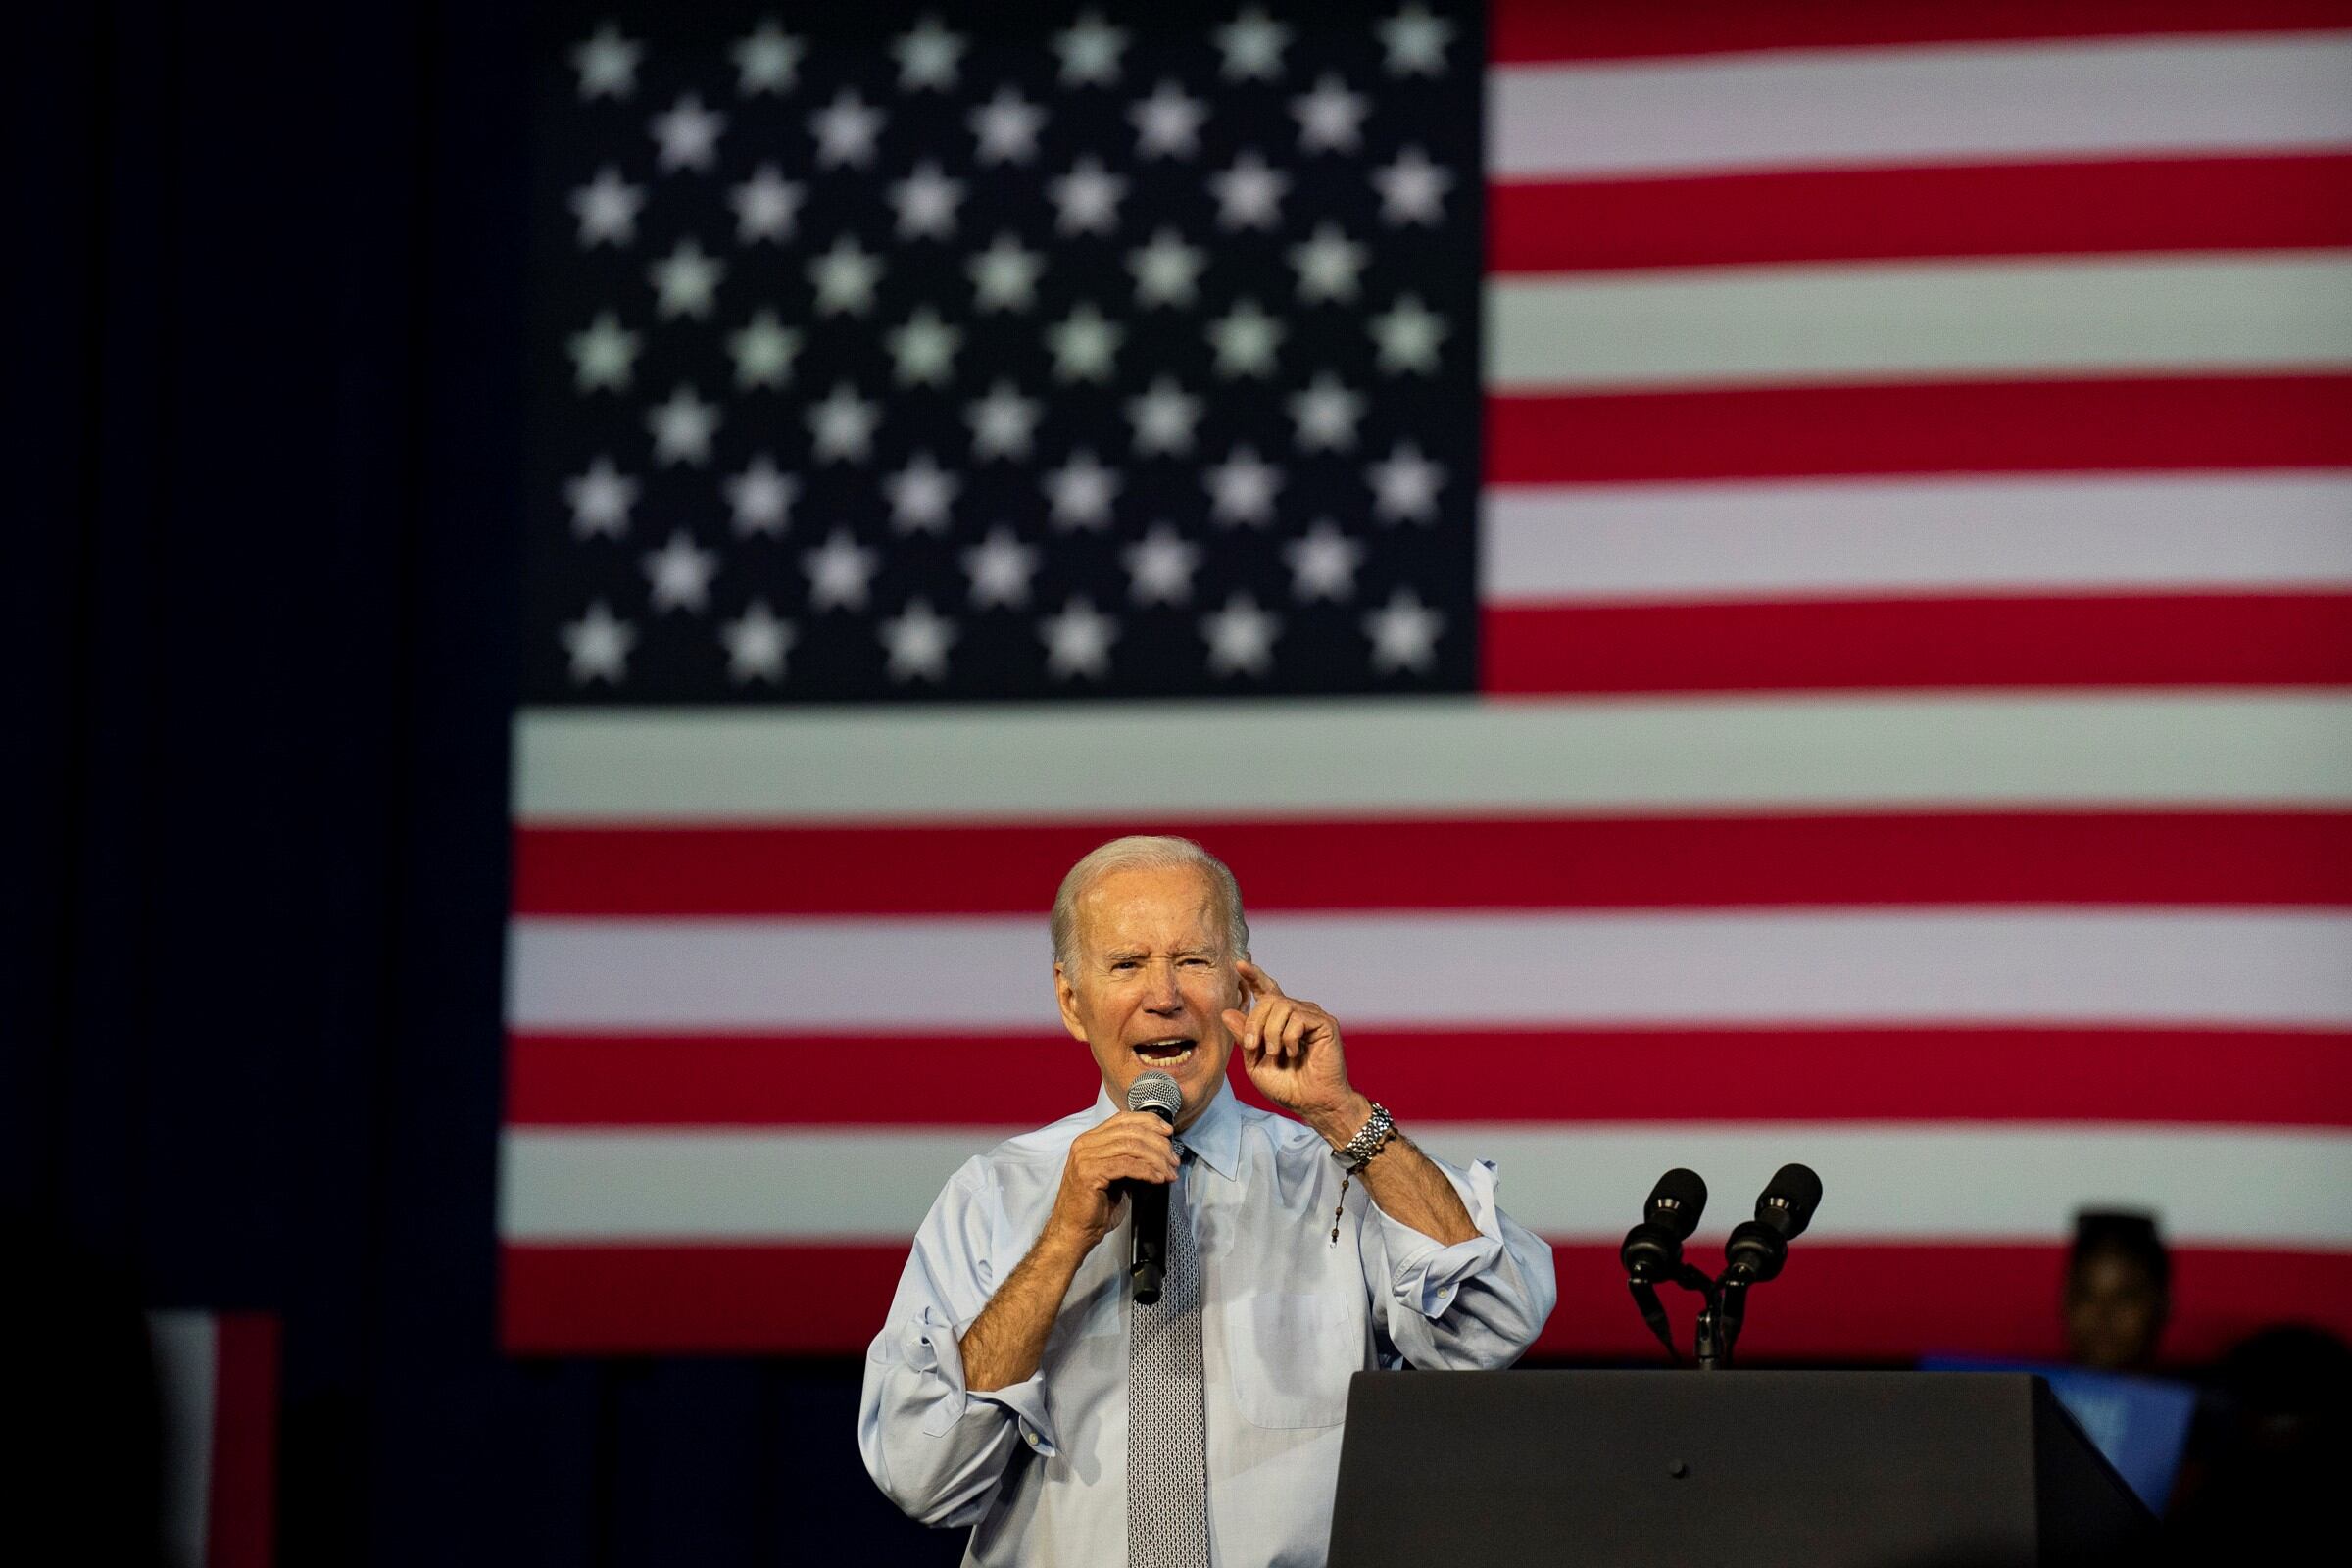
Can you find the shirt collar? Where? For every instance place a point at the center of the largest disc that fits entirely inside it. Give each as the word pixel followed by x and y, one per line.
pixel 1216 1137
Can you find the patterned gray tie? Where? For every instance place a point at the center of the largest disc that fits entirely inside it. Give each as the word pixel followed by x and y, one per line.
pixel 1167 1426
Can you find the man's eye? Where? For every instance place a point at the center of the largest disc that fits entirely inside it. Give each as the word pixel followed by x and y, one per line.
pixel 1123 965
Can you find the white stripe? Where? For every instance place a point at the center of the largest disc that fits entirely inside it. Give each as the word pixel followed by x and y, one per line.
pixel 1733 326
pixel 187 1376
pixel 1988 103
pixel 1545 545
pixel 1452 969
pixel 1880 1182
pixel 1135 763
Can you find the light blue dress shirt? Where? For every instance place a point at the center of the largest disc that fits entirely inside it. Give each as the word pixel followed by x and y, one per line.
pixel 1039 1469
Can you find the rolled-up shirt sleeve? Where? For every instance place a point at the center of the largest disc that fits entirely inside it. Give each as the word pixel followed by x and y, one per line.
pixel 1466 1306
pixel 936 1447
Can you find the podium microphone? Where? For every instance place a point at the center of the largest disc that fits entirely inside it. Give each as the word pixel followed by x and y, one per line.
pixel 1653 1249
pixel 1759 1247
pixel 1148 1262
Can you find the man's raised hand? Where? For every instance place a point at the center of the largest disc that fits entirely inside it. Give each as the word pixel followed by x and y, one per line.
pixel 1291 1050
pixel 1132 1146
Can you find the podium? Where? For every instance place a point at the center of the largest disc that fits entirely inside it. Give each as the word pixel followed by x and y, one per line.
pixel 1807 1469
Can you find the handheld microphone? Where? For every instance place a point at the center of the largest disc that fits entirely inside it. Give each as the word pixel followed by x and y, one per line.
pixel 1653 1249
pixel 1759 1247
pixel 1147 1264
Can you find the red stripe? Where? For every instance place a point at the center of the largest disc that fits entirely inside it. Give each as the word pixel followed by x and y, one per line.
pixel 1522 32
pixel 242 1511
pixel 2281 639
pixel 1887 1074
pixel 2137 857
pixel 2042 426
pixel 2205 204
pixel 1834 1303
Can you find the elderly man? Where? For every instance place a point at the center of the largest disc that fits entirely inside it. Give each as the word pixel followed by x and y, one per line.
pixel 1019 1389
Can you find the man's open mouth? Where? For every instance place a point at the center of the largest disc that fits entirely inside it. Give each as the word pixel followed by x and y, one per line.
pixel 1170 1052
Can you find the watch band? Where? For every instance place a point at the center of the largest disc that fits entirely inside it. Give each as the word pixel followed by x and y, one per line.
pixel 1368 1139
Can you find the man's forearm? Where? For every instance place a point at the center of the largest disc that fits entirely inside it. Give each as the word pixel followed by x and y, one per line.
pixel 1007 1340
pixel 1408 1189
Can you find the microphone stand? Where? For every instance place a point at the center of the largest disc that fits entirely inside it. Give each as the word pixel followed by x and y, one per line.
pixel 1719 1320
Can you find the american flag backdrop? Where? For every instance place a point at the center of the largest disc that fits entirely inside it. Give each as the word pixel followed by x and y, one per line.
pixel 1737 583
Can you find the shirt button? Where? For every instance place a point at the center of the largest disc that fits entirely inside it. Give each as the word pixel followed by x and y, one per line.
pixel 1032 1437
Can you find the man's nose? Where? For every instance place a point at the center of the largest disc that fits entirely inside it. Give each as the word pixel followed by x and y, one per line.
pixel 1163 995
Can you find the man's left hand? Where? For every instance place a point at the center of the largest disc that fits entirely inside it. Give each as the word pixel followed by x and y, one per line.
pixel 1291 1049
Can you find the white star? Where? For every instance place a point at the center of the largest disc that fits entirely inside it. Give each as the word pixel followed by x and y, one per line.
pixel 1167 270
pixel 767 206
pixel 842 426
pixel 1405 485
pixel 1249 193
pixel 1403 632
pixel 1408 335
pixel 768 61
pixel 762 498
pixel 1004 276
pixel 1252 46
pixel 603 355
pixel 688 133
pixel 1240 637
pixel 600 500
pixel 682 427
pixel 920 495
pixel 839 572
pixel 1078 640
pixel 1003 423
pixel 1412 189
pixel 1087 198
pixel 1245 338
pixel 1090 51
pixel 757 644
pixel 686 281
pixel 925 349
pixel 1168 124
pixel 927 57
pixel 1326 414
pixel 845 278
pixel 1323 563
pixel 599 646
pixel 919 641
pixel 1331 118
pixel 926 202
pixel 763 351
pixel 1082 490
pixel 606 63
pixel 1242 487
pixel 1160 570
pixel 1005 127
pixel 999 566
pixel 1416 42
pixel 1163 417
pixel 606 208
pixel 680 572
pixel 1328 265
pixel 1083 344
pixel 847 130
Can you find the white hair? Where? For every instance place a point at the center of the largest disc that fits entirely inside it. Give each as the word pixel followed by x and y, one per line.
pixel 1147 853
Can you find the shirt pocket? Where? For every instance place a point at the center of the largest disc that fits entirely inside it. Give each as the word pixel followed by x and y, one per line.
pixel 1293 1356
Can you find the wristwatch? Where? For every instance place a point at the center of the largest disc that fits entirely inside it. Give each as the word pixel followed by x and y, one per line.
pixel 1368 1139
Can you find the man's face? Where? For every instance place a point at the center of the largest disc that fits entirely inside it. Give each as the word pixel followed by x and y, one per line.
pixel 1149 974
pixel 2114 1312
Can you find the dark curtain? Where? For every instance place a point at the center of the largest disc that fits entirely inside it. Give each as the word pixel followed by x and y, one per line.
pixel 263 378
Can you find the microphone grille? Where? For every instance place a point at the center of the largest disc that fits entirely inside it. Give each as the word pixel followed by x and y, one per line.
pixel 1155 1090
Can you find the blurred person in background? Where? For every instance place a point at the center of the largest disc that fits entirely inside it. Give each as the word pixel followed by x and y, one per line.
pixel 1017 1389
pixel 2118 1292
pixel 2271 1451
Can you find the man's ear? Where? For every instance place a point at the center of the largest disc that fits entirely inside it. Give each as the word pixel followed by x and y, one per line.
pixel 1067 997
